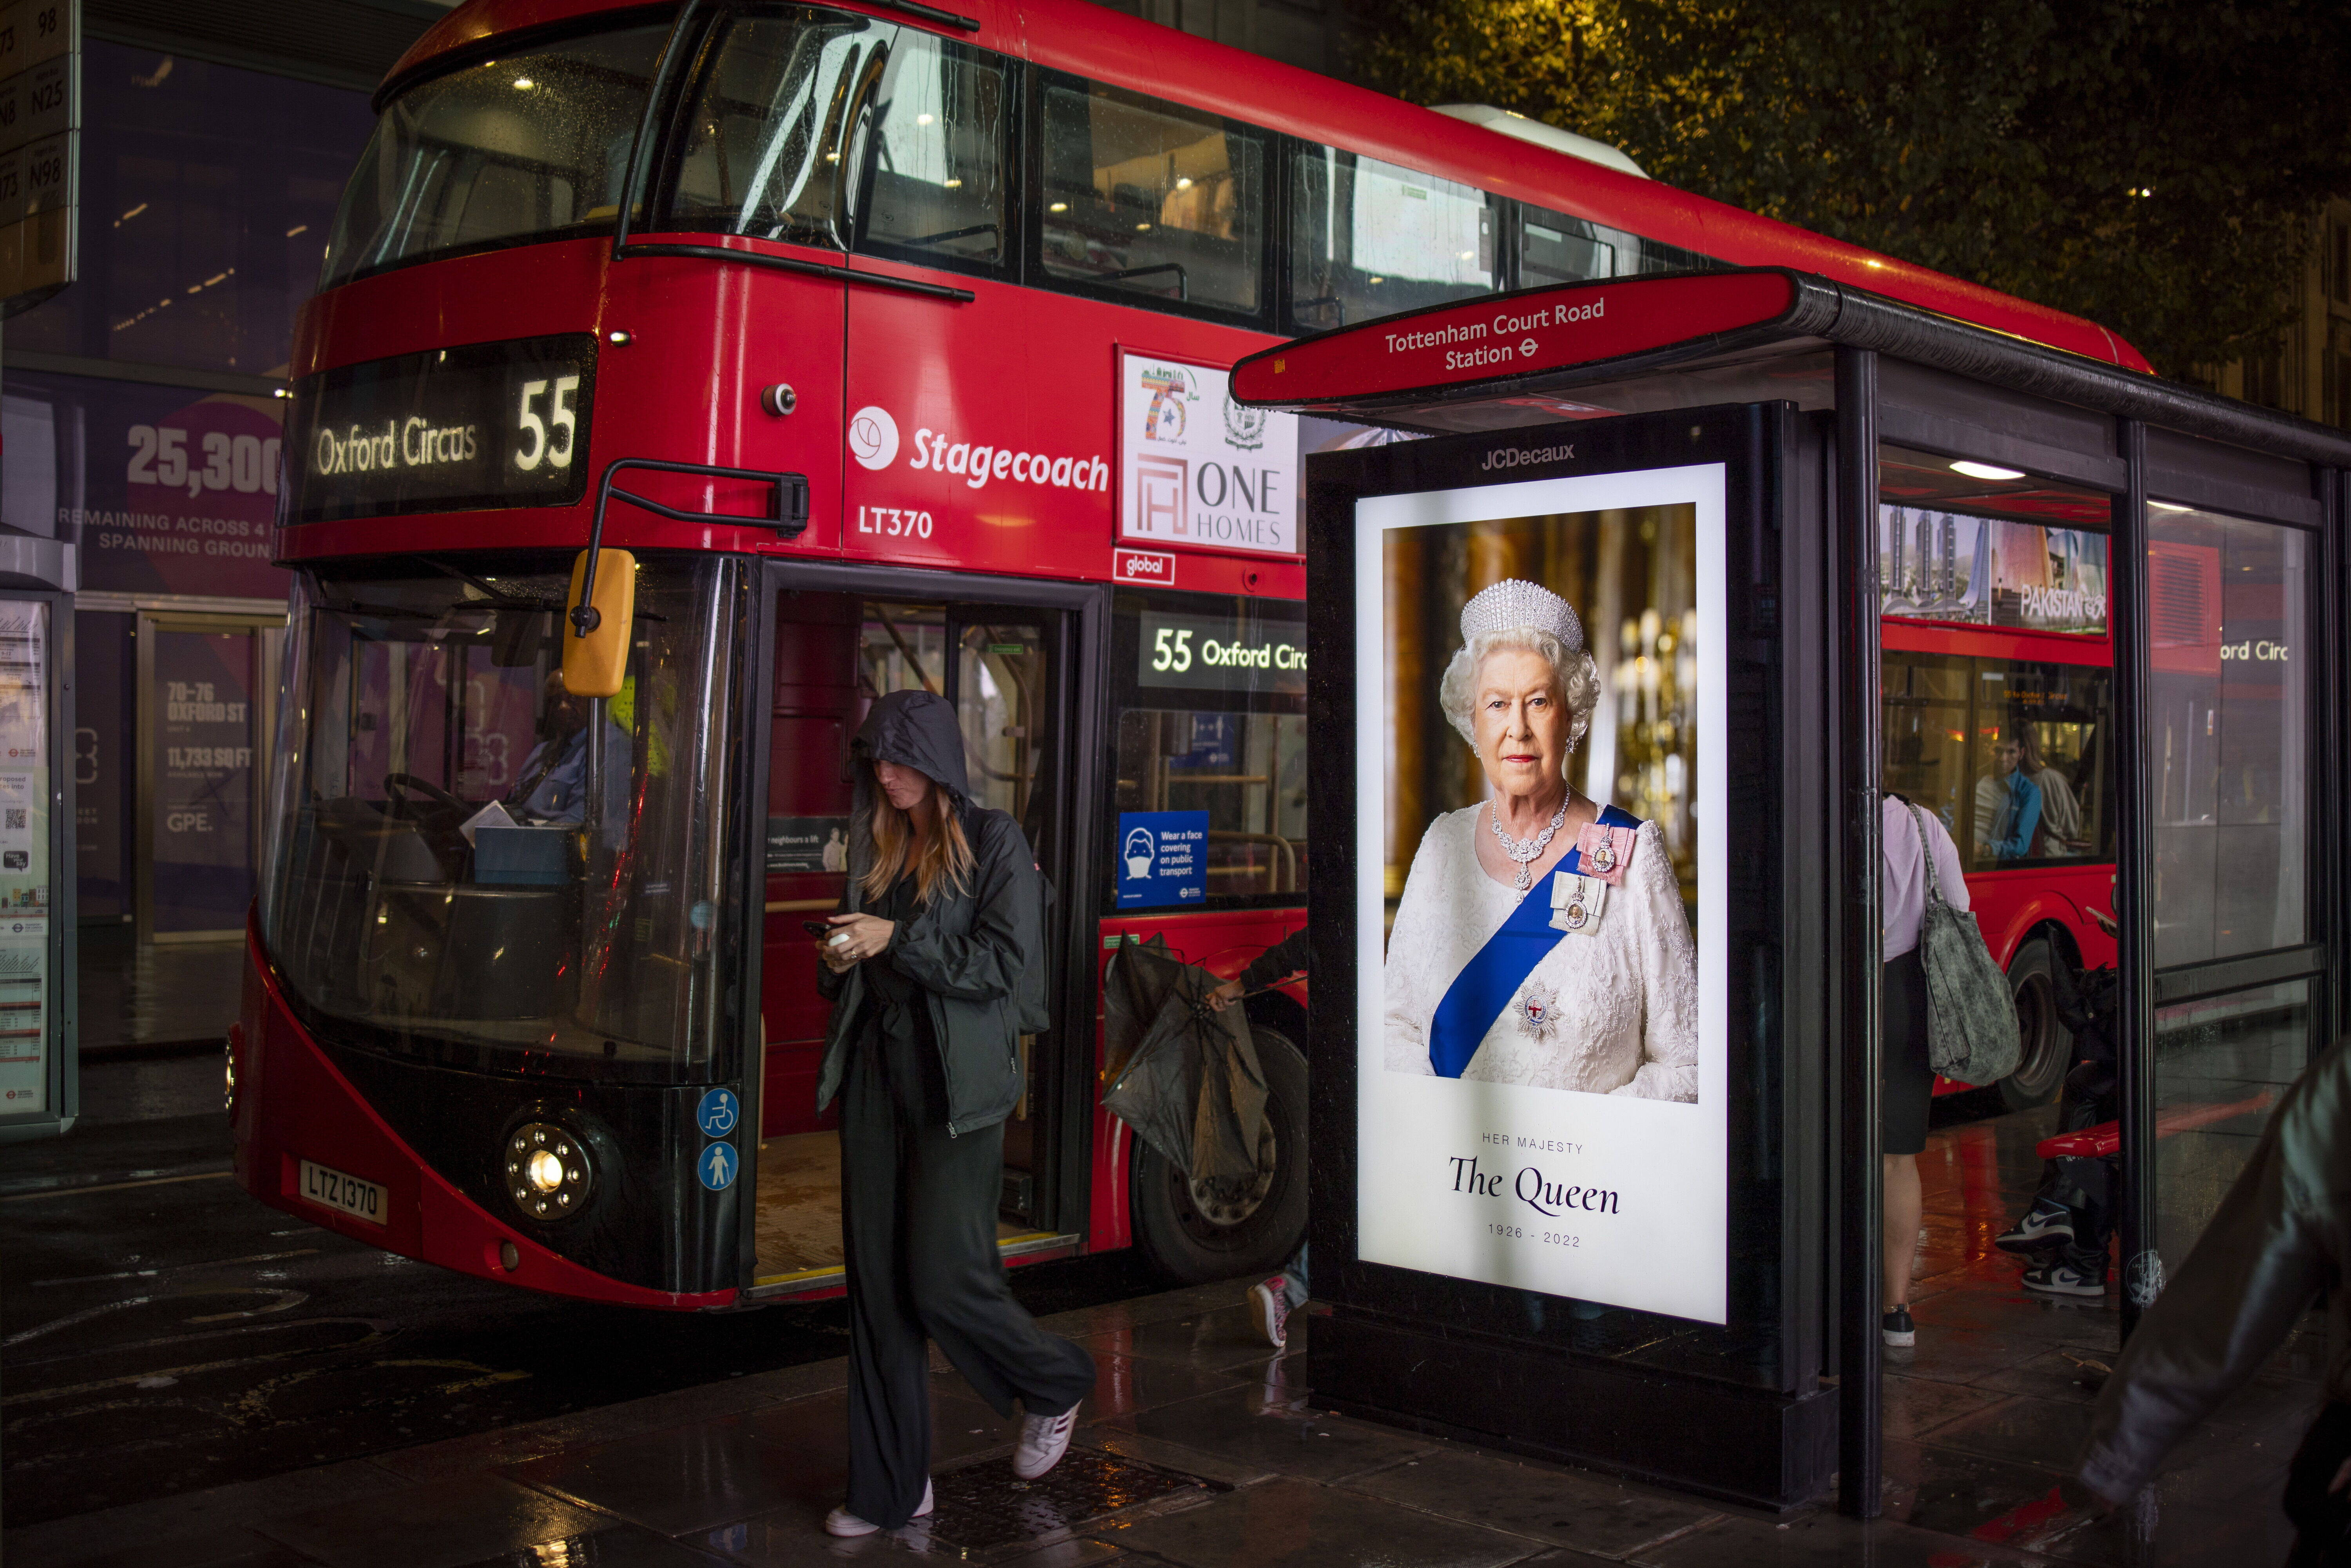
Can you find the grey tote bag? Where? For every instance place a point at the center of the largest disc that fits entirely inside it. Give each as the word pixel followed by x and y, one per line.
pixel 1970 1016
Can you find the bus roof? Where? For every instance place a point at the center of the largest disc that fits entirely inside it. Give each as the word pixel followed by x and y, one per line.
pixel 1093 41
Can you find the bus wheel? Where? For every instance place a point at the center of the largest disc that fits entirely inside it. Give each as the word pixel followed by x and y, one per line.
pixel 2048 1044
pixel 1198 1236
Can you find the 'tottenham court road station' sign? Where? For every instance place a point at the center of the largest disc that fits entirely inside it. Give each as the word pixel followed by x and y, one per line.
pixel 1505 338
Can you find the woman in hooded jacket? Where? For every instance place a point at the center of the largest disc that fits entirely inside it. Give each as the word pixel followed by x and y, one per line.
pixel 943 914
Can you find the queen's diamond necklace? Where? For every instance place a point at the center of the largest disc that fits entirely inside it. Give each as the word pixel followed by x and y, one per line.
pixel 1526 851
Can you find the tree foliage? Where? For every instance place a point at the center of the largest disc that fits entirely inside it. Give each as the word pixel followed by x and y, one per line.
pixel 2151 164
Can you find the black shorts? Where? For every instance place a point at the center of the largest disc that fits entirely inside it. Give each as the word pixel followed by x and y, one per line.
pixel 1905 1080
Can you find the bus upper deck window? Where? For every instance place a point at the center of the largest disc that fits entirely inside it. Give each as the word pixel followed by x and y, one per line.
pixel 521 148
pixel 1150 197
pixel 931 173
pixel 1369 238
pixel 771 123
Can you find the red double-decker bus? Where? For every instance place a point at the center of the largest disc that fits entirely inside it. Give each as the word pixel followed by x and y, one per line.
pixel 1999 716
pixel 889 342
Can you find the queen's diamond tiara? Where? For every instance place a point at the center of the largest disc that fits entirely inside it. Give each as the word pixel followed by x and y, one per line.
pixel 1514 602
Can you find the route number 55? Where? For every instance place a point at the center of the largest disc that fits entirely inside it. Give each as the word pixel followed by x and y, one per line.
pixel 1177 656
pixel 554 451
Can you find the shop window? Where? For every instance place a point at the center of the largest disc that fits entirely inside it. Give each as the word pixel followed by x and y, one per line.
pixel 1151 198
pixel 2226 734
pixel 207 194
pixel 1368 238
pixel 1210 786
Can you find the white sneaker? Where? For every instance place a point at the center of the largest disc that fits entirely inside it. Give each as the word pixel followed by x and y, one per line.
pixel 1043 1440
pixel 841 1522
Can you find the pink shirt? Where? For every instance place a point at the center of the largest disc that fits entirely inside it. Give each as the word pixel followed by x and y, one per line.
pixel 1902 896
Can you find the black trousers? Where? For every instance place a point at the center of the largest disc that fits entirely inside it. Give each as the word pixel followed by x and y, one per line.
pixel 918 1221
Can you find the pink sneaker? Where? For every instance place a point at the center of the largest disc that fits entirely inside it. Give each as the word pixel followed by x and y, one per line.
pixel 1269 1311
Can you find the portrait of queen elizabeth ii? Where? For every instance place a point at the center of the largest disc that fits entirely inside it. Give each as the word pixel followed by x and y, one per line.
pixel 1540 940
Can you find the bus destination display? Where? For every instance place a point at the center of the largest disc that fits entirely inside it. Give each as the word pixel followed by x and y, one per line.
pixel 1219 653
pixel 488 425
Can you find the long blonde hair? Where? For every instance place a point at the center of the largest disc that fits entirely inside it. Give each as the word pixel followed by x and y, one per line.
pixel 947 853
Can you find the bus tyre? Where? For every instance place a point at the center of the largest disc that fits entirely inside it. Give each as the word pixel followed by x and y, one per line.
pixel 2047 1043
pixel 1195 1237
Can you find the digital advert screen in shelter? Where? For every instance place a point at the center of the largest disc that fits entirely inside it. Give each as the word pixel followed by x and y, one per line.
pixel 1541 874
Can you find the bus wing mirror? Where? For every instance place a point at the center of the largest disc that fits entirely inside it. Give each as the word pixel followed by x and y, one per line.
pixel 602 622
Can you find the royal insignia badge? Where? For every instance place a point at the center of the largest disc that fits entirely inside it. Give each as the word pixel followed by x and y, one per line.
pixel 1539 1006
pixel 1576 903
pixel 1604 852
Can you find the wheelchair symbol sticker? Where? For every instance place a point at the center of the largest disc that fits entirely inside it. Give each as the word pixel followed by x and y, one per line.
pixel 717 1165
pixel 718 1112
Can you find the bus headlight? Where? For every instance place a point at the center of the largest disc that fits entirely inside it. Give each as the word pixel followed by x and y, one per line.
pixel 548 1173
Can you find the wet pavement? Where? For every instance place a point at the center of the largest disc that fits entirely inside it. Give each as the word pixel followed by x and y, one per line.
pixel 1204 1450
pixel 161 1332
pixel 136 996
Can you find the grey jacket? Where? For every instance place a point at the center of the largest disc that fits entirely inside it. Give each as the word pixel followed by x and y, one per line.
pixel 968 950
pixel 2280 1236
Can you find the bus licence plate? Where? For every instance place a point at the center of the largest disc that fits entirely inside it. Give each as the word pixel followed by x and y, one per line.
pixel 361 1200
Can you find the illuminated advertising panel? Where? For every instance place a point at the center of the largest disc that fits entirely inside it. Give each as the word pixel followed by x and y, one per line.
pixel 1541 920
pixel 1936 565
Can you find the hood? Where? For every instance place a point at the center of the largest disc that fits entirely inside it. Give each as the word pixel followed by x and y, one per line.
pixel 914 730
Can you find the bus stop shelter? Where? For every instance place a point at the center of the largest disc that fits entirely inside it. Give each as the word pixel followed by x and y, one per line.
pixel 1752 480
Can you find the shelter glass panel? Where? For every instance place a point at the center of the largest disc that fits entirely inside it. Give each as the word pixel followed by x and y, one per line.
pixel 2221 1064
pixel 2227 734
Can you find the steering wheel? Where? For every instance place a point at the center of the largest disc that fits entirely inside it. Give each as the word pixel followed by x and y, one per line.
pixel 397 786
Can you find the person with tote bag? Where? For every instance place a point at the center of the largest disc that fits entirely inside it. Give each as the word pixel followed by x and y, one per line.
pixel 1944 1008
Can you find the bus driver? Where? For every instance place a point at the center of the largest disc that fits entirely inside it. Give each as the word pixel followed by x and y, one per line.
pixel 1541 940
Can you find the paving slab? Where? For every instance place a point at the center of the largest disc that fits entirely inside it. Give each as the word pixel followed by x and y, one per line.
pixel 445 1525
pixel 622 1547
pixel 687 1478
pixel 1591 1512
pixel 1292 1524
pixel 1291 1440
pixel 1826 1541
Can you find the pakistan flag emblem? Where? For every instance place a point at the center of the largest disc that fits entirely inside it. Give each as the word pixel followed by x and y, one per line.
pixel 1244 427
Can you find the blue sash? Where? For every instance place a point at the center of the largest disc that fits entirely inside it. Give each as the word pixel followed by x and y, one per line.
pixel 1493 975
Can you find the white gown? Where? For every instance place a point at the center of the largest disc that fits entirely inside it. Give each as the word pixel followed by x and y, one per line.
pixel 1620 1003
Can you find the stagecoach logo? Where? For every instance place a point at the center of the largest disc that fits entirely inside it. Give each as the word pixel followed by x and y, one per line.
pixel 1244 427
pixel 873 437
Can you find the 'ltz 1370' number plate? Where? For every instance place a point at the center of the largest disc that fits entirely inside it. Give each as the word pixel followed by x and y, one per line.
pixel 333 1189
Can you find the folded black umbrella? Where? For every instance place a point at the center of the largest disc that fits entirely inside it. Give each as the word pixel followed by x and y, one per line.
pixel 1185 1077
